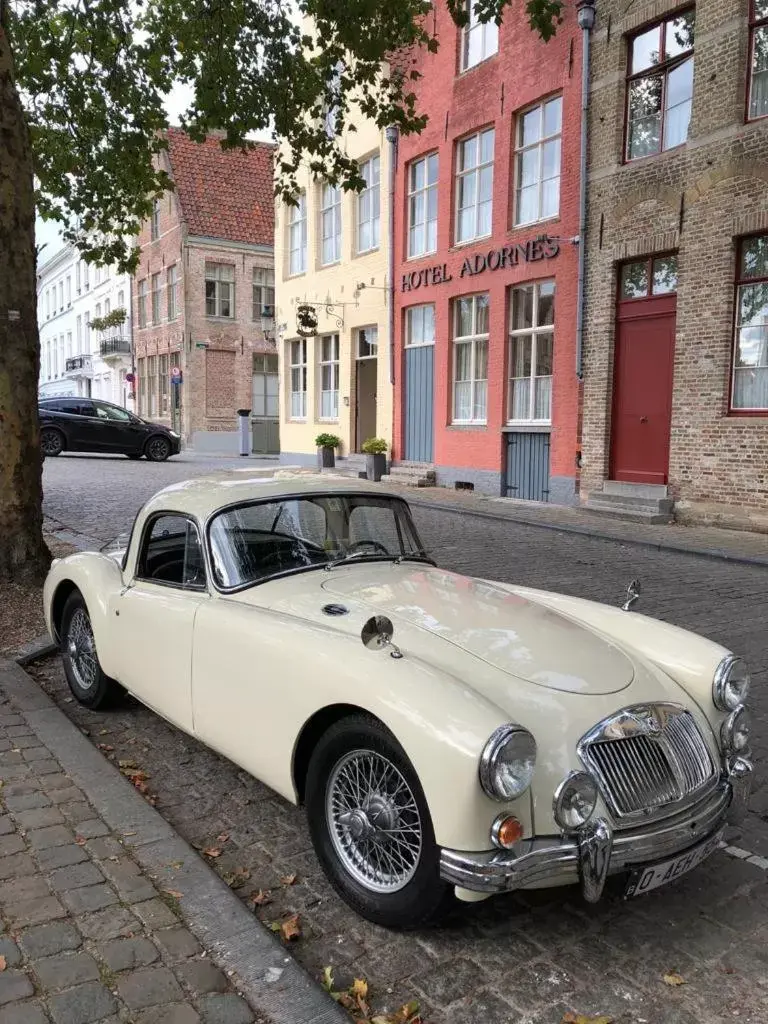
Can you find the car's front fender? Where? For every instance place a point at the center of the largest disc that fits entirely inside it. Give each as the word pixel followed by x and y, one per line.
pixel 97 577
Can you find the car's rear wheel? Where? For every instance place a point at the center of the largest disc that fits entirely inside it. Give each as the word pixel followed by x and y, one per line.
pixel 51 441
pixel 87 680
pixel 370 825
pixel 158 449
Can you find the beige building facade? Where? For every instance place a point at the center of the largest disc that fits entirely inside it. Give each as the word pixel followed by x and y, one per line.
pixel 333 307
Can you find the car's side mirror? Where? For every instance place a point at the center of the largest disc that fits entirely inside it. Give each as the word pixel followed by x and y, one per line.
pixel 377 634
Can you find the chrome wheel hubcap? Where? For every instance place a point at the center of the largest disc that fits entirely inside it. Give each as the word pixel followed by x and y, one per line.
pixel 373 821
pixel 81 649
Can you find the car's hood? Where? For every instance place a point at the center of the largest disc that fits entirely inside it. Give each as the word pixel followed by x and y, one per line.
pixel 510 632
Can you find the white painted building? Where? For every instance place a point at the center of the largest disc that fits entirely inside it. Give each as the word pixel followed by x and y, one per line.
pixel 74 359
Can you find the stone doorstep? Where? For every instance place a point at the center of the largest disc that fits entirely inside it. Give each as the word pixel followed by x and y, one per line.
pixel 266 974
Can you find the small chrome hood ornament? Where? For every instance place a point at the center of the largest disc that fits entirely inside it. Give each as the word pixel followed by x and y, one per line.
pixel 633 595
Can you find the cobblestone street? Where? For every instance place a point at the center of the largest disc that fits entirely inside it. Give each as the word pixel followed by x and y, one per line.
pixel 524 958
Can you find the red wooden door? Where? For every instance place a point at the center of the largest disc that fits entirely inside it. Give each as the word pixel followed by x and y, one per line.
pixel 642 392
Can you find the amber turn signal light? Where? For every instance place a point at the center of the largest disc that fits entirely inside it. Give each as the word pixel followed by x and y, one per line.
pixel 506 831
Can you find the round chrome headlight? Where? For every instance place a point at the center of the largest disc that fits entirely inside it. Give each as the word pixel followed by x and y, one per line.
pixel 735 730
pixel 575 800
pixel 731 684
pixel 507 762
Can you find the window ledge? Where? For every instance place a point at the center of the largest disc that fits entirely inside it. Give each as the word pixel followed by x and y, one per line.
pixel 747 414
pixel 479 64
pixel 366 252
pixel 422 256
pixel 469 425
pixel 469 241
pixel 533 223
pixel 527 427
pixel 222 319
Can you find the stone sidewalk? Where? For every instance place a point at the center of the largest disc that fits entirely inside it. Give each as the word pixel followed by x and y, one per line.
pixel 103 906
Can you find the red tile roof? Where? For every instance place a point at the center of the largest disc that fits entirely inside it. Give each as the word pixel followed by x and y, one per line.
pixel 224 193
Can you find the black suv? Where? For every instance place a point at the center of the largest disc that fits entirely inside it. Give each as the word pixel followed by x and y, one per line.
pixel 89 425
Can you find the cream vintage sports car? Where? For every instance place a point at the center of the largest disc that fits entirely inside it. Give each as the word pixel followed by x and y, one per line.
pixel 445 734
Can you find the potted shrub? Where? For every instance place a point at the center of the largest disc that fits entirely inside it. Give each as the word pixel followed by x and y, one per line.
pixel 326 447
pixel 375 449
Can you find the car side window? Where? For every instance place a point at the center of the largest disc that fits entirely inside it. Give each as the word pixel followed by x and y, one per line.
pixel 172 553
pixel 84 409
pixel 111 412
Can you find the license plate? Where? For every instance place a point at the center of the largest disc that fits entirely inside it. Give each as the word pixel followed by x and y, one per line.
pixel 646 879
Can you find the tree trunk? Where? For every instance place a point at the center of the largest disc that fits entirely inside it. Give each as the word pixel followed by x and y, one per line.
pixel 23 553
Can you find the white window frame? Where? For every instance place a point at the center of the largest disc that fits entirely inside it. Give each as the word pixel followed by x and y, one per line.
pixel 475 170
pixel 470 339
pixel 141 302
pixel 488 33
pixel 61 296
pixel 330 224
pixel 369 335
pixel 540 144
pixel 427 189
pixel 154 221
pixel 79 333
pixel 328 398
pixel 219 274
pixel 369 204
pixel 263 293
pixel 69 291
pixel 535 332
pixel 411 314
pixel 297 365
pixel 155 289
pixel 297 236
pixel 172 291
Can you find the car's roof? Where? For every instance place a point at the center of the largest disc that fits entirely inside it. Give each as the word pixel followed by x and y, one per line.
pixel 203 495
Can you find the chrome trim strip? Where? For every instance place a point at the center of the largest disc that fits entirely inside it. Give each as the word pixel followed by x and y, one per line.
pixel 554 860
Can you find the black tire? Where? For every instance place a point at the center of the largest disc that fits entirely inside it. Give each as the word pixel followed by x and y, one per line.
pixel 76 642
pixel 51 442
pixel 135 455
pixel 423 895
pixel 158 448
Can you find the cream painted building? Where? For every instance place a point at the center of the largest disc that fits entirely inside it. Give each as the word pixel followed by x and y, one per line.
pixel 331 265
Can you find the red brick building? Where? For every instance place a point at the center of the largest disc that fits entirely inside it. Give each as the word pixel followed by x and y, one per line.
pixel 203 296
pixel 485 276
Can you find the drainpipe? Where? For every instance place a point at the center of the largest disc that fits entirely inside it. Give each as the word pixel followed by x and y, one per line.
pixel 392 136
pixel 585 10
pixel 134 384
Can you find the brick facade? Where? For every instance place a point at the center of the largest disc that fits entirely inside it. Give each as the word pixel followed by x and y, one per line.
pixel 215 354
pixel 697 200
pixel 494 93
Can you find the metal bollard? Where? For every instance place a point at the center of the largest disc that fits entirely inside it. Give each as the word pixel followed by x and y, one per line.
pixel 244 427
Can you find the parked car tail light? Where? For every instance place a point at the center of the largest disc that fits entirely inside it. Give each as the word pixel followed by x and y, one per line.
pixel 507 762
pixel 731 684
pixel 735 731
pixel 575 800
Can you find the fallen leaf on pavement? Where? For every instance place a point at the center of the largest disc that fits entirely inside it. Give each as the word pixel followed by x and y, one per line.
pixel 580 1018
pixel 127 764
pixel 260 898
pixel 173 892
pixel 212 851
pixel 2 963
pixel 288 879
pixel 327 981
pixel 81 840
pixel 359 988
pixel 290 928
pixel 104 746
pixel 673 978
pixel 103 732
pixel 223 837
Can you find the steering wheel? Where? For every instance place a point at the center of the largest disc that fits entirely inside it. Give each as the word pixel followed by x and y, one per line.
pixel 376 545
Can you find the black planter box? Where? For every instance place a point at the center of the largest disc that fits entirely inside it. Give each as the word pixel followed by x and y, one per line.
pixel 326 458
pixel 375 466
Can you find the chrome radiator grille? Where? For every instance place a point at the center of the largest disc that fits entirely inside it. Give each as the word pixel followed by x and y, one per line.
pixel 646 757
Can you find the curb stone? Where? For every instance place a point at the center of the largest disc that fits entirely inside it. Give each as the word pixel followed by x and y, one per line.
pixel 268 976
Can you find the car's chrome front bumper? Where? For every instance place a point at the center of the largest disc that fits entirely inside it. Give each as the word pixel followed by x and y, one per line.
pixel 596 850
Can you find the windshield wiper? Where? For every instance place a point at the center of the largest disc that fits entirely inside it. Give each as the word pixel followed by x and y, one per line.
pixel 414 556
pixel 357 556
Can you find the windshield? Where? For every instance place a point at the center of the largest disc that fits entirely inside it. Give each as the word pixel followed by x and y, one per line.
pixel 253 542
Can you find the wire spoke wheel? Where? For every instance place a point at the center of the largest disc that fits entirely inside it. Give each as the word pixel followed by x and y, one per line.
pixel 373 821
pixel 81 648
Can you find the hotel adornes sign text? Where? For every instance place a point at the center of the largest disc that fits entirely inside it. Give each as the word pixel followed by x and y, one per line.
pixel 496 259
